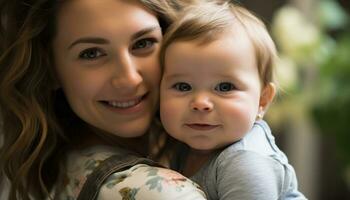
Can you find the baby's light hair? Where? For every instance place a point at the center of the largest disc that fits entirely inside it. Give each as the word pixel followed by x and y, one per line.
pixel 208 20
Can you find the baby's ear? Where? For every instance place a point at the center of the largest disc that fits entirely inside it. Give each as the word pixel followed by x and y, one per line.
pixel 267 95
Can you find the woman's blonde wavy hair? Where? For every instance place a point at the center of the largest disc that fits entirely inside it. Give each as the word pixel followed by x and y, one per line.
pixel 31 131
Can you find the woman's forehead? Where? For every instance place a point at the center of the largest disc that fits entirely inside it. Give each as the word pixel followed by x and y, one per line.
pixel 108 18
pixel 92 11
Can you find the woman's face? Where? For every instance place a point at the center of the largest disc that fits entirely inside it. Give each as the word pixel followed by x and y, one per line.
pixel 106 62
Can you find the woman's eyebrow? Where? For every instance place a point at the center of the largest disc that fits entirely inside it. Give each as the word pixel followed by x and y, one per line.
pixel 98 40
pixel 95 40
pixel 144 32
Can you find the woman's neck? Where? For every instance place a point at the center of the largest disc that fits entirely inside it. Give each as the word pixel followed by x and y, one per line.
pixel 93 136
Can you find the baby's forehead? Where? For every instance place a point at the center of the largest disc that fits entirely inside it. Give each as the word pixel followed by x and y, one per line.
pixel 230 32
pixel 222 54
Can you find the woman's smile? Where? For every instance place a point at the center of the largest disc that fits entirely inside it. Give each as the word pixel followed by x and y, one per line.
pixel 127 106
pixel 110 72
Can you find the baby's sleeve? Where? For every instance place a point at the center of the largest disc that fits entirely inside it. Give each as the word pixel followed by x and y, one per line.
pixel 249 175
pixel 144 182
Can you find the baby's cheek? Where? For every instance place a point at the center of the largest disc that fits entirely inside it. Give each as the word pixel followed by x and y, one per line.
pixel 240 117
pixel 169 113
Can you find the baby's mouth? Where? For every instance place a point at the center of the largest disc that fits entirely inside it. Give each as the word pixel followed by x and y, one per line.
pixel 202 127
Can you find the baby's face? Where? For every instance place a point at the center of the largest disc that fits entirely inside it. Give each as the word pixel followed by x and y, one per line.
pixel 210 93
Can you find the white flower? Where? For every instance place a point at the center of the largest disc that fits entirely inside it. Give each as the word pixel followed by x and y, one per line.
pixel 286 73
pixel 295 36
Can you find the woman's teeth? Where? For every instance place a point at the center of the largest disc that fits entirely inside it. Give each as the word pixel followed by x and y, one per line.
pixel 124 104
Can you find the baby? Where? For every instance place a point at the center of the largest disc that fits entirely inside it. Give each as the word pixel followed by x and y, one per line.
pixel 217 83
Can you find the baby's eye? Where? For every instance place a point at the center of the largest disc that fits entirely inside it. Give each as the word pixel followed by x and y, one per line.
pixel 144 43
pixel 182 87
pixel 225 87
pixel 91 53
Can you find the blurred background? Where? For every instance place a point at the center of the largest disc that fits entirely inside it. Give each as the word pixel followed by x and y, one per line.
pixel 310 117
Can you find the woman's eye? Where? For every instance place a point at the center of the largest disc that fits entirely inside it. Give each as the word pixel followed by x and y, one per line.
pixel 91 53
pixel 144 43
pixel 225 87
pixel 182 87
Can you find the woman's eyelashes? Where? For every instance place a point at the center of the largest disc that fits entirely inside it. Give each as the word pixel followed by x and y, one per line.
pixel 91 53
pixel 144 46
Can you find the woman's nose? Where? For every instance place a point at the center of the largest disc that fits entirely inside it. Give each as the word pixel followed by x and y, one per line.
pixel 126 72
pixel 202 103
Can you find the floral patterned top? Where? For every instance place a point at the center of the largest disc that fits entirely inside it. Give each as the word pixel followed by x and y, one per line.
pixel 138 182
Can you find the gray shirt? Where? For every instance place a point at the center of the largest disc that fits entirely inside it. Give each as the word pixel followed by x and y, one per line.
pixel 251 168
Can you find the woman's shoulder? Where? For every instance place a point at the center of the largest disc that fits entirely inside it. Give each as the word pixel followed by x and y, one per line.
pixel 87 159
pixel 147 182
pixel 137 182
pixel 79 164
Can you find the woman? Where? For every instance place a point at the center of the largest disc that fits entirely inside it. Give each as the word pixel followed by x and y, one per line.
pixel 79 82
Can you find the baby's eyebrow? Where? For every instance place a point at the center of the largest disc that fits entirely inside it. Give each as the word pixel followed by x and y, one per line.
pixel 174 76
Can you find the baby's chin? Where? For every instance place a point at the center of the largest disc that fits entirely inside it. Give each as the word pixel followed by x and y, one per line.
pixel 202 147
